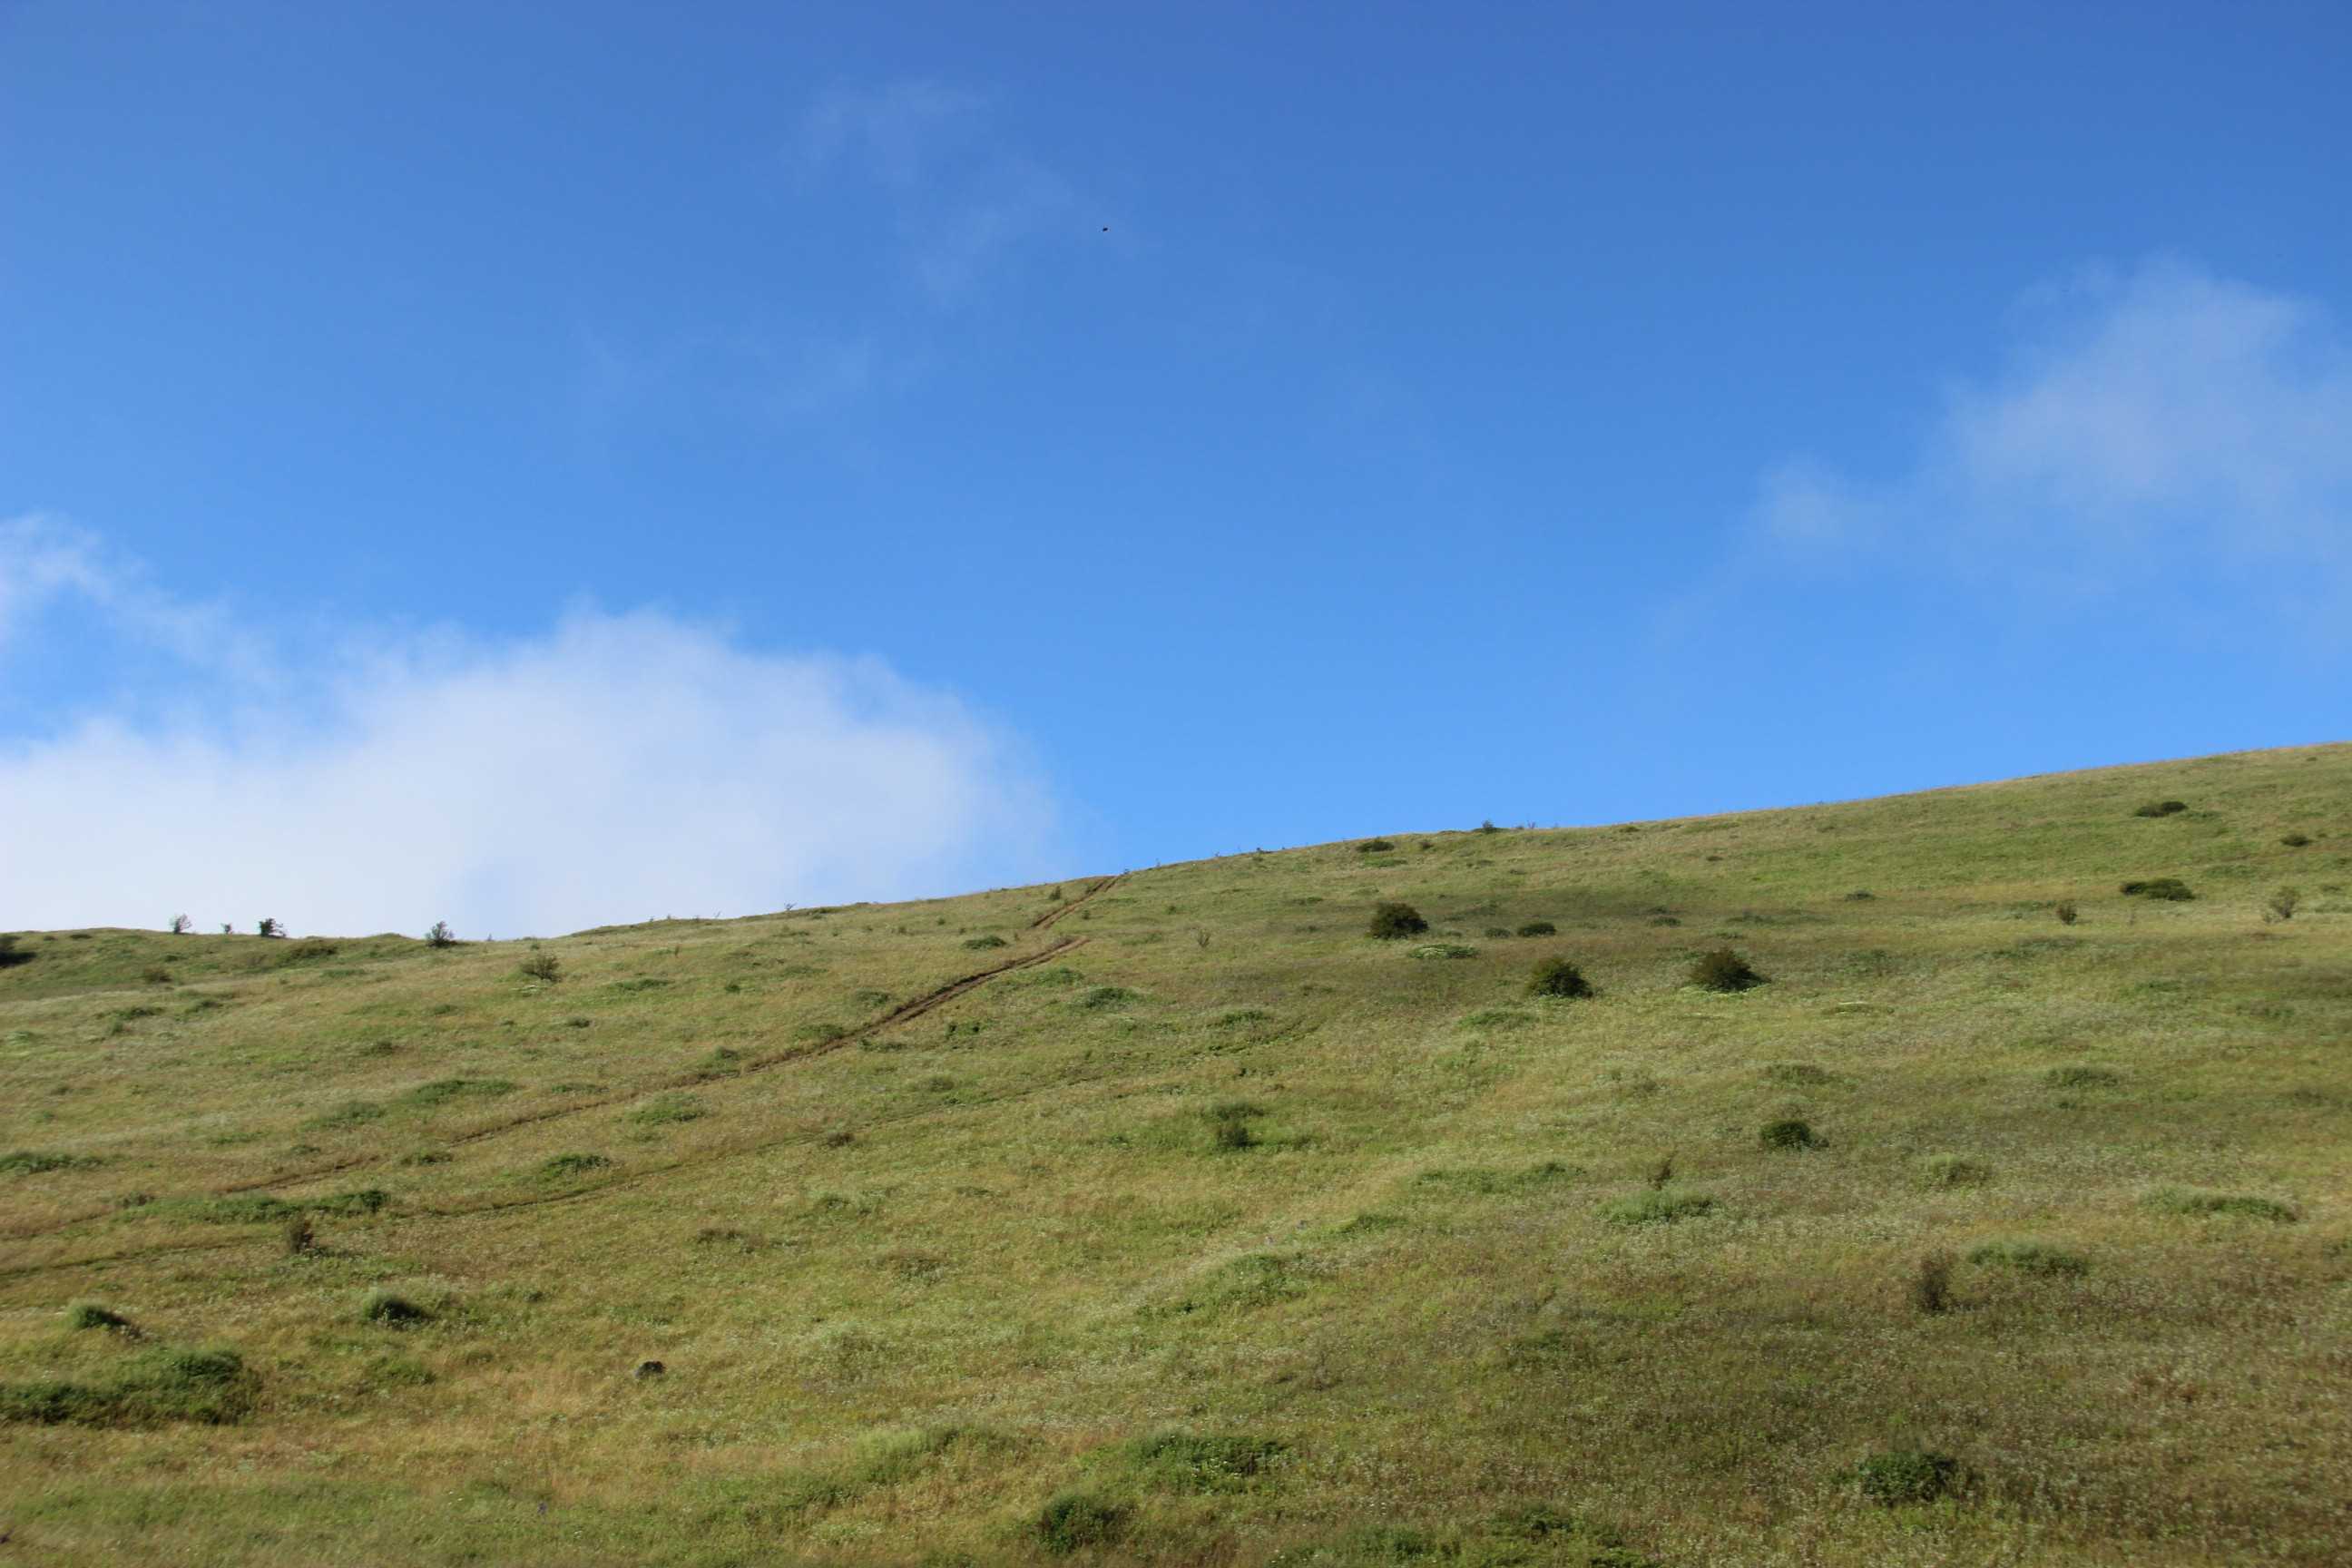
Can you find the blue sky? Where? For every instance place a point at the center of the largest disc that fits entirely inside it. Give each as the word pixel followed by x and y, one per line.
pixel 538 466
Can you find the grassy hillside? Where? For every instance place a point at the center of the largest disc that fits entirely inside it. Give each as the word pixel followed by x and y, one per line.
pixel 1210 1229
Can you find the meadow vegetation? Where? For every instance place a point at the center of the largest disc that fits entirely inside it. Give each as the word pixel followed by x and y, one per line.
pixel 1688 1209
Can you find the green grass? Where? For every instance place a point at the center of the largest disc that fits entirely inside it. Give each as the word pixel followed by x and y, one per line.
pixel 1286 1246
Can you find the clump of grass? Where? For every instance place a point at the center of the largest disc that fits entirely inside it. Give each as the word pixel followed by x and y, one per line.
pixel 1931 1283
pixel 2078 1076
pixel 207 1386
pixel 2030 1258
pixel 36 1161
pixel 976 943
pixel 1189 1462
pixel 2166 890
pixel 82 1315
pixel 2066 912
pixel 2296 841
pixel 391 1309
pixel 2161 808
pixel 1796 1074
pixel 1720 969
pixel 544 967
pixel 2203 1200
pixel 1907 1474
pixel 1791 1133
pixel 2281 904
pixel 664 1110
pixel 442 1090
pixel 1075 1520
pixel 300 1236
pixel 1104 997
pixel 1559 977
pixel 1539 928
pixel 1659 1205
pixel 1374 847
pixel 1393 920
pixel 566 1166
pixel 1442 950
pixel 1953 1171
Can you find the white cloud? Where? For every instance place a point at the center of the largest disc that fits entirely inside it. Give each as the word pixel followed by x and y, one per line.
pixel 2160 425
pixel 618 767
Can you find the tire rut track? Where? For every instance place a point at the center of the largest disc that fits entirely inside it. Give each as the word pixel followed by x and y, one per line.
pixel 905 1013
pixel 1058 911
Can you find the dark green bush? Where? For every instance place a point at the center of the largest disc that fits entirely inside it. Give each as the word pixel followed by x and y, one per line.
pixel 1931 1283
pixel 975 943
pixel 1374 847
pixel 1720 969
pixel 2066 912
pixel 2161 808
pixel 33 1161
pixel 1074 1520
pixel 542 966
pixel 564 1165
pixel 1539 928
pixel 1788 1133
pixel 210 1386
pixel 2170 889
pixel 10 953
pixel 1559 977
pixel 440 935
pixel 2296 841
pixel 1392 920
pixel 1907 1476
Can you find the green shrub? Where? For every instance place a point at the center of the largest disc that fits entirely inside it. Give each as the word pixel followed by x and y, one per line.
pixel 1103 998
pixel 2281 904
pixel 440 935
pixel 388 1308
pixel 2168 890
pixel 1228 1124
pixel 976 943
pixel 1559 977
pixel 1907 1476
pixel 1494 932
pixel 1788 1133
pixel 2161 808
pixel 1393 920
pixel 300 1237
pixel 2066 912
pixel 1539 928
pixel 666 1109
pixel 2201 1201
pixel 1660 1205
pixel 90 1315
pixel 1374 847
pixel 1796 1074
pixel 1074 1520
pixel 1720 969
pixel 10 953
pixel 564 1165
pixel 542 966
pixel 2028 1258
pixel 2296 841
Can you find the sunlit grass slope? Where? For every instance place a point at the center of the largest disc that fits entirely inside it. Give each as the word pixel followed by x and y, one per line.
pixel 1213 1230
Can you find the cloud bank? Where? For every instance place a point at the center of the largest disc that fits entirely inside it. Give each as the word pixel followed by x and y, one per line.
pixel 616 768
pixel 2159 426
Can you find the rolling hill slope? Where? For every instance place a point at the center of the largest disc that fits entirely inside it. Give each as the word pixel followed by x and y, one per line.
pixel 1171 1218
